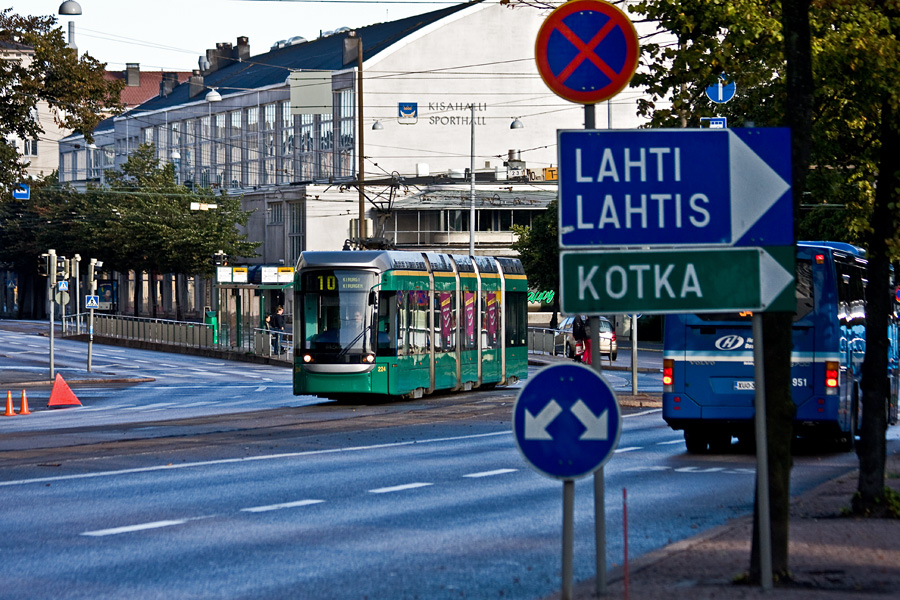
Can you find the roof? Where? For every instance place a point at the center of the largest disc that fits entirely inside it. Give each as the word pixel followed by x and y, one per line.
pixel 148 88
pixel 325 53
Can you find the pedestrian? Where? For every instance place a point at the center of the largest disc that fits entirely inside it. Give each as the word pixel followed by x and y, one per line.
pixel 581 331
pixel 276 323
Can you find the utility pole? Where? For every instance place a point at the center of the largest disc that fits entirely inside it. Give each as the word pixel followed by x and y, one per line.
pixel 51 289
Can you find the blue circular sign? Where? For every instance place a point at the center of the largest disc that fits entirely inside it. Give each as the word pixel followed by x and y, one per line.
pixel 587 51
pixel 723 91
pixel 566 421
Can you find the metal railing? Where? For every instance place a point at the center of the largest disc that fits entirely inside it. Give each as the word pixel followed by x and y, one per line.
pixel 542 340
pixel 177 333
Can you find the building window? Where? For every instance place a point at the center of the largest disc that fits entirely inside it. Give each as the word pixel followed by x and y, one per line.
pixel 286 173
pixel 305 148
pixel 253 157
pixel 30 148
pixel 234 150
pixel 346 138
pixel 326 146
pixel 295 231
pixel 275 213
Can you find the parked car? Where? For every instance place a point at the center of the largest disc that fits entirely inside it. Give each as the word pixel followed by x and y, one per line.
pixel 565 343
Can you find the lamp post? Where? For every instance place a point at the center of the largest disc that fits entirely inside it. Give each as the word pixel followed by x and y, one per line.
pixel 516 124
pixel 70 7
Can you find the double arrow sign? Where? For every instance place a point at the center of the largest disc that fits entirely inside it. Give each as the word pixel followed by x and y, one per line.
pixel 595 428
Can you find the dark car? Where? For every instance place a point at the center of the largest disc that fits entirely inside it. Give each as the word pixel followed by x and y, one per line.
pixel 565 343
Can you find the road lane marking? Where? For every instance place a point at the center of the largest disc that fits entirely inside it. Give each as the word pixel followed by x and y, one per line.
pixel 628 449
pixel 678 441
pixel 491 473
pixel 399 488
pixel 298 503
pixel 641 414
pixel 243 459
pixel 133 528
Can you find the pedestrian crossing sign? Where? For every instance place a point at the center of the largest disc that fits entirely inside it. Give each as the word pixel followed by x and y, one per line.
pixel 62 286
pixel 92 301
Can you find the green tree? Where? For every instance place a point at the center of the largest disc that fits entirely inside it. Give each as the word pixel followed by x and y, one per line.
pixel 73 87
pixel 148 220
pixel 538 248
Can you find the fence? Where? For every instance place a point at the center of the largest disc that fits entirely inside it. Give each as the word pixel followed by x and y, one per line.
pixel 177 333
pixel 542 340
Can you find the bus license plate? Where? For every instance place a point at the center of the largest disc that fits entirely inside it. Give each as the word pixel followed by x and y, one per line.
pixel 744 385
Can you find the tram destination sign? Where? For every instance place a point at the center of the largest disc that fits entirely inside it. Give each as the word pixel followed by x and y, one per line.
pixel 667 281
pixel 665 187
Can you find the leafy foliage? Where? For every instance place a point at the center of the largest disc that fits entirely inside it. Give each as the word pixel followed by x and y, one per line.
pixel 73 87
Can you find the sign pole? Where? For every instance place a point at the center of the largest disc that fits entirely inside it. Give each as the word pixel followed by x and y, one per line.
pixel 599 476
pixel 568 538
pixel 762 457
pixel 51 291
pixel 634 343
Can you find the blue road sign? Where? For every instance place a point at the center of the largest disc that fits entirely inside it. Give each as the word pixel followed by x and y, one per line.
pixel 22 192
pixel 566 421
pixel 92 301
pixel 62 286
pixel 722 91
pixel 661 187
pixel 587 51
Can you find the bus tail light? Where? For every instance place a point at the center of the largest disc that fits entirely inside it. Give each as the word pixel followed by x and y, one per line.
pixel 668 375
pixel 831 377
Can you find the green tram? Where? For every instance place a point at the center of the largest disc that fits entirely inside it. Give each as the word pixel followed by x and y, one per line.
pixel 407 323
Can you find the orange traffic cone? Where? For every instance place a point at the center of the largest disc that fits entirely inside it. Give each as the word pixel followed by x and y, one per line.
pixel 23 408
pixel 9 409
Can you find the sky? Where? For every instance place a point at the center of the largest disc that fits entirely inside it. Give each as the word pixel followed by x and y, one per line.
pixel 171 35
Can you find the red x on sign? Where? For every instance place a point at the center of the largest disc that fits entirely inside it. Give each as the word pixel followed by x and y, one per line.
pixel 587 51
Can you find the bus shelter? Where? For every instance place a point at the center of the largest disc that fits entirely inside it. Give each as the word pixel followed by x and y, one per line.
pixel 241 305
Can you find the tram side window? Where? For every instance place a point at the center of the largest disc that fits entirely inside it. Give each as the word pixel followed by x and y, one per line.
pixel 516 319
pixel 468 327
pixel 445 320
pixel 388 324
pixel 419 339
pixel 490 319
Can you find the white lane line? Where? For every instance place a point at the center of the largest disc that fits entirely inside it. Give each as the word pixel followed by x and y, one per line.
pixel 399 488
pixel 231 461
pixel 146 406
pixel 670 442
pixel 262 388
pixel 641 414
pixel 192 404
pixel 491 473
pixel 628 449
pixel 699 470
pixel 133 528
pixel 298 503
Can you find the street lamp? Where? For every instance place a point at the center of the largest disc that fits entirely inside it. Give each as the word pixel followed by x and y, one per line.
pixel 70 7
pixel 213 95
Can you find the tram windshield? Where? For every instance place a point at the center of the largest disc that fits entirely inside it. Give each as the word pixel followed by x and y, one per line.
pixel 336 312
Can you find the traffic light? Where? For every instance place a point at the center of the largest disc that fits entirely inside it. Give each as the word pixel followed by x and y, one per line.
pixel 220 259
pixel 62 268
pixel 44 265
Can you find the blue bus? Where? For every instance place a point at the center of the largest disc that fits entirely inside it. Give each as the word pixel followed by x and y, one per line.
pixel 708 385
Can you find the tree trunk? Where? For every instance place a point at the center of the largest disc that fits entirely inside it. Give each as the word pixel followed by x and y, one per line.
pixel 138 292
pixel 872 446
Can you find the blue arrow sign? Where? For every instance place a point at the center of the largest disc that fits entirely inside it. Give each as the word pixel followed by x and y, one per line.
pixel 659 187
pixel 722 91
pixel 22 192
pixel 566 421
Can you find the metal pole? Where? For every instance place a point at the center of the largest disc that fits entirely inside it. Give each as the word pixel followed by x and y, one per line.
pixel 634 343
pixel 361 128
pixel 77 260
pixel 762 457
pixel 92 287
pixel 51 281
pixel 472 184
pixel 568 538
pixel 600 532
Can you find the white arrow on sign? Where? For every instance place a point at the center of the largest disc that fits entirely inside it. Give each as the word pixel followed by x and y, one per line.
pixel 536 427
pixel 596 428
pixel 773 278
pixel 755 186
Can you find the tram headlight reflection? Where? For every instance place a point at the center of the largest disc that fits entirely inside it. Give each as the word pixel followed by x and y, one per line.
pixel 369 358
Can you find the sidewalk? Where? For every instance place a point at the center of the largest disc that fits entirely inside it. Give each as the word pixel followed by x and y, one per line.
pixel 831 556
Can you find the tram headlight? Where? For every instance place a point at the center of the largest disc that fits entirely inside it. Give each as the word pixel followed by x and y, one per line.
pixel 307 358
pixel 369 358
